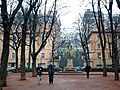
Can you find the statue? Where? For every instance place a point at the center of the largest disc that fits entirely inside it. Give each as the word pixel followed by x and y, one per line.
pixel 69 51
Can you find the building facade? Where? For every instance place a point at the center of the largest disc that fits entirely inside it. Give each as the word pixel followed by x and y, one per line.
pixel 45 55
pixel 96 50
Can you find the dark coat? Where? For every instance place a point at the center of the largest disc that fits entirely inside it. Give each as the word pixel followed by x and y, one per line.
pixel 51 69
pixel 39 70
pixel 87 68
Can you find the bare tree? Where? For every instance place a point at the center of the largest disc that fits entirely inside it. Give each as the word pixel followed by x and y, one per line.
pixel 113 32
pixel 48 20
pixel 26 14
pixel 15 37
pixel 33 35
pixel 101 31
pixel 30 41
pixel 7 21
pixel 84 34
pixel 55 43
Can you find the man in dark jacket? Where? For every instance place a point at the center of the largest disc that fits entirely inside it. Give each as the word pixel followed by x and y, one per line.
pixel 87 70
pixel 39 73
pixel 51 72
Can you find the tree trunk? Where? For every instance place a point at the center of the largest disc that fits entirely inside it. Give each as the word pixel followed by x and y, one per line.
pixel 116 66
pixel 102 37
pixel 53 46
pixel 4 57
pixel 118 3
pixel 23 75
pixel 115 59
pixel 104 63
pixel 33 55
pixel 116 70
pixel 88 56
pixel 34 67
pixel 85 54
pixel 17 70
pixel 29 59
pixel 7 23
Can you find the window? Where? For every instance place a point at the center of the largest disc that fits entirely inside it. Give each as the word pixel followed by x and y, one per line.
pixel 99 66
pixel 99 46
pixel 13 55
pixel 42 55
pixel 109 66
pixel 99 55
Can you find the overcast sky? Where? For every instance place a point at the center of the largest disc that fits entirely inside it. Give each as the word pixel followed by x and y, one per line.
pixel 69 13
pixel 74 7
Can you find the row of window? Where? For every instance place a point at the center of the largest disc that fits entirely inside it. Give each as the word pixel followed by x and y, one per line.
pixel 108 37
pixel 100 66
pixel 99 45
pixel 100 56
pixel 42 55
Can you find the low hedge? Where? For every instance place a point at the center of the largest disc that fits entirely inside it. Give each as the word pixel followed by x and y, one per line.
pixel 44 70
pixel 101 69
pixel 57 70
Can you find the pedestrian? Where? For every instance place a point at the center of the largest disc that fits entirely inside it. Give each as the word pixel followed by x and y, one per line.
pixel 39 70
pixel 62 69
pixel 87 70
pixel 51 72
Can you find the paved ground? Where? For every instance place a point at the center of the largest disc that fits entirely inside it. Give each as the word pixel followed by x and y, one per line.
pixel 64 81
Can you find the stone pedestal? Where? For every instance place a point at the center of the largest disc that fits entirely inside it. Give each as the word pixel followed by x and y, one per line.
pixel 69 66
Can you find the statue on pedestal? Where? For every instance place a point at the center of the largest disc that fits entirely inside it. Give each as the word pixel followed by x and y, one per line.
pixel 69 66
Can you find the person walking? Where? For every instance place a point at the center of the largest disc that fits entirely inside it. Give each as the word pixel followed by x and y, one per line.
pixel 39 70
pixel 51 72
pixel 87 70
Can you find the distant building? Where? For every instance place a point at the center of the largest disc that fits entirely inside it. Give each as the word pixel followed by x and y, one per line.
pixel 96 51
pixel 94 45
pixel 45 56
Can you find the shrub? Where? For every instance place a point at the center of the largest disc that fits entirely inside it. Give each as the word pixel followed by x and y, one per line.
pixel 101 69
